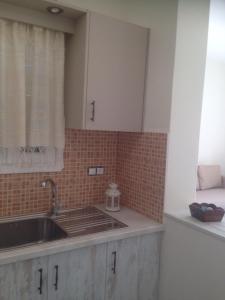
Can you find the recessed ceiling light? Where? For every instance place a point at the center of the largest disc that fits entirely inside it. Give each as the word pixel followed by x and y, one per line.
pixel 54 10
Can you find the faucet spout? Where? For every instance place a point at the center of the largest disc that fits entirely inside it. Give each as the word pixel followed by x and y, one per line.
pixel 55 200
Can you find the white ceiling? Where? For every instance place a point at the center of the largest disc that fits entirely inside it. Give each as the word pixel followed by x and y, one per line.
pixel 41 5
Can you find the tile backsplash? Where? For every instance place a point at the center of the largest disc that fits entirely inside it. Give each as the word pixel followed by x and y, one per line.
pixel 135 161
pixel 141 162
pixel 22 194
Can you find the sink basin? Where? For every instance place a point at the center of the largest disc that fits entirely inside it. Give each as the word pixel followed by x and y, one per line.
pixel 29 231
pixel 40 229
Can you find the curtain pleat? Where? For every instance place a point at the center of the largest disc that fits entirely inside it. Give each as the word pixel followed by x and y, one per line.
pixel 12 84
pixel 46 123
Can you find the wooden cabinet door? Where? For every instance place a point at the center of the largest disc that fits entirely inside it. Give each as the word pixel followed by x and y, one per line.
pixel 133 268
pixel 148 266
pixel 31 279
pixel 24 280
pixel 8 282
pixel 122 270
pixel 81 274
pixel 116 74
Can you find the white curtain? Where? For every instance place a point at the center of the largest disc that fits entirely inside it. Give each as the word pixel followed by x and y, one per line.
pixel 45 123
pixel 31 94
pixel 12 84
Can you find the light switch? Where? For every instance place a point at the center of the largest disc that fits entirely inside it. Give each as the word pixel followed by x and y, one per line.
pixel 92 171
pixel 100 170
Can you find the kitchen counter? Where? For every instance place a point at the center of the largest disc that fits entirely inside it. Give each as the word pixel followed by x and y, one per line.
pixel 137 224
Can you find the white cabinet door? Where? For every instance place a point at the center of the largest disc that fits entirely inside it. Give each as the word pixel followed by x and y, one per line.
pixel 8 282
pixel 31 279
pixel 122 270
pixel 78 274
pixel 24 280
pixel 116 74
pixel 133 268
pixel 148 266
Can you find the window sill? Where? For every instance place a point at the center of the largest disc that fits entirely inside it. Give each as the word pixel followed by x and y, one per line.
pixel 216 229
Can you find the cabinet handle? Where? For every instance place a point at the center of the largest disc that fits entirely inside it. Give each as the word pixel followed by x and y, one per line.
pixel 56 277
pixel 114 262
pixel 93 111
pixel 40 280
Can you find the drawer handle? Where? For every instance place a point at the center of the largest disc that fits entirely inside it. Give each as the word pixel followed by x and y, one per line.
pixel 56 277
pixel 93 111
pixel 40 280
pixel 114 262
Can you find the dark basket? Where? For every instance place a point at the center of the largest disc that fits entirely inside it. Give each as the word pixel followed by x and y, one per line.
pixel 200 212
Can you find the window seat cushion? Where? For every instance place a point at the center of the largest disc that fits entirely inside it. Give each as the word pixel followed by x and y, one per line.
pixel 209 176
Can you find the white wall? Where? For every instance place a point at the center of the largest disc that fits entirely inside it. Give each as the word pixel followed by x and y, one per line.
pixel 212 133
pixel 160 16
pixel 216 38
pixel 192 264
pixel 190 57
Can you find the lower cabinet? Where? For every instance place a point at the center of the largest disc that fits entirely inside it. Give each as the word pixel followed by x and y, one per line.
pixel 7 282
pixel 122 276
pixel 26 280
pixel 78 274
pixel 133 268
pixel 148 267
pixel 126 269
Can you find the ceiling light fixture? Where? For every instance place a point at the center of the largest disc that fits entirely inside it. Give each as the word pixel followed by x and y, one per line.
pixel 54 10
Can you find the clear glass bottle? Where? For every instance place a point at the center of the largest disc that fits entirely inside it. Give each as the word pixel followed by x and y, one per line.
pixel 112 198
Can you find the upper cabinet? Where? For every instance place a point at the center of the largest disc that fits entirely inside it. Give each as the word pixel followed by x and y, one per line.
pixel 105 74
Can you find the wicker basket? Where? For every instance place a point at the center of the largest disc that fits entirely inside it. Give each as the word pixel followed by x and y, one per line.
pixel 205 212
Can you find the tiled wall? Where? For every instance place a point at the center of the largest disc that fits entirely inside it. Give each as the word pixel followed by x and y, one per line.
pixel 135 161
pixel 21 193
pixel 141 162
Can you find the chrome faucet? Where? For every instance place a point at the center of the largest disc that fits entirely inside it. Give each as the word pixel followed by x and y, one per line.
pixel 56 205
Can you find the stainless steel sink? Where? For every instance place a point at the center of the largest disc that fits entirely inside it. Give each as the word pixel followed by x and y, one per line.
pixel 77 222
pixel 29 231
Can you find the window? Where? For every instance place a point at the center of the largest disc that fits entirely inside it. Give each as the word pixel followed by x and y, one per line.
pixel 32 125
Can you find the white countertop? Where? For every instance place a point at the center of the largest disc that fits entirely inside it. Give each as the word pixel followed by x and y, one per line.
pixel 216 229
pixel 137 225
